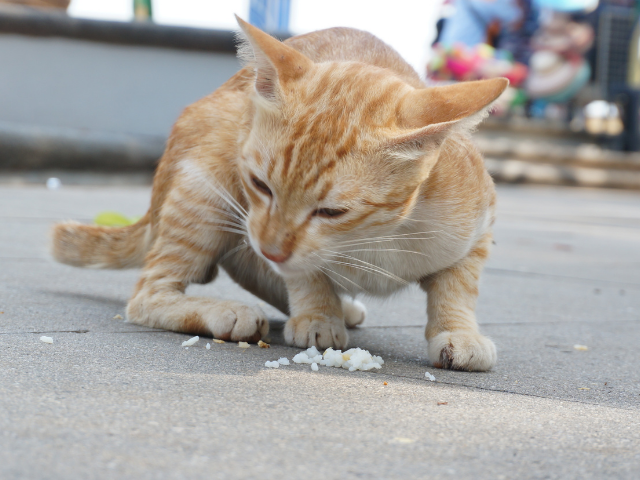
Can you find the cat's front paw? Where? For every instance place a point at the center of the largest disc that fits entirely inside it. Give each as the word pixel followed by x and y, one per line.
pixel 354 312
pixel 462 351
pixel 318 331
pixel 237 322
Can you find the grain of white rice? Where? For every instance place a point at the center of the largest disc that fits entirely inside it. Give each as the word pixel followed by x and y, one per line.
pixel 243 345
pixel 314 366
pixel 283 361
pixel 208 346
pixel 430 377
pixel 46 339
pixel 272 364
pixel 191 341
pixel 581 347
pixel 352 360
pixel 118 317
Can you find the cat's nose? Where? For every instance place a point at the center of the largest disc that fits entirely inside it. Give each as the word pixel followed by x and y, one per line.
pixel 276 257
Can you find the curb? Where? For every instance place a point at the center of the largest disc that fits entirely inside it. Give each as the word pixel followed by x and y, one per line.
pixel 29 148
pixel 519 171
pixel 541 151
pixel 37 148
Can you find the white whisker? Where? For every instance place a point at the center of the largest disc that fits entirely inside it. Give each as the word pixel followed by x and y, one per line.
pixel 370 242
pixel 227 197
pixel 232 251
pixel 389 237
pixel 384 250
pixel 232 230
pixel 228 213
pixel 327 272
pixel 229 223
pixel 366 267
pixel 342 276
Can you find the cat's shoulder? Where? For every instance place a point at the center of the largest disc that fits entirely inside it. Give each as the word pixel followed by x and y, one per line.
pixel 459 171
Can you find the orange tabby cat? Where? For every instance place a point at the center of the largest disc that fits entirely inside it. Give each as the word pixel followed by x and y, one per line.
pixel 321 170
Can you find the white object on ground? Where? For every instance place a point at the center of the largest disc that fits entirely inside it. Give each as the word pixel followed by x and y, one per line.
pixel 243 345
pixel 272 364
pixel 208 346
pixel 283 361
pixel 428 376
pixel 191 341
pixel 53 183
pixel 353 359
pixel 314 366
pixel 580 347
pixel 118 317
pixel 46 339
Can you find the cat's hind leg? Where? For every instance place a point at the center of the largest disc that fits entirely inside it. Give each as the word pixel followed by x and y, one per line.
pixel 354 312
pixel 452 331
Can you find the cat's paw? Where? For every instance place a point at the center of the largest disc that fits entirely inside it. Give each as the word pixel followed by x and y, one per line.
pixel 462 351
pixel 316 330
pixel 238 323
pixel 354 312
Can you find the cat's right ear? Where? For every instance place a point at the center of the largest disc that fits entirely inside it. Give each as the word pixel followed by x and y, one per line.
pixel 275 63
pixel 437 109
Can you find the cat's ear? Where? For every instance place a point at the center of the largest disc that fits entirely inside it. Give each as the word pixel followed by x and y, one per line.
pixel 275 63
pixel 427 115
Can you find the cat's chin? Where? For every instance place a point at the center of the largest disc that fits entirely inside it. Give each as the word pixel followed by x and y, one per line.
pixel 287 269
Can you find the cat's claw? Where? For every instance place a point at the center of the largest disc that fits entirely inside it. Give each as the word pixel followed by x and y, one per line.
pixel 239 323
pixel 462 351
pixel 316 331
pixel 354 312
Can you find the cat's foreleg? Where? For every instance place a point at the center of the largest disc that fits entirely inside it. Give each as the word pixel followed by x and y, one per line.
pixel 316 314
pixel 452 331
pixel 159 300
pixel 255 275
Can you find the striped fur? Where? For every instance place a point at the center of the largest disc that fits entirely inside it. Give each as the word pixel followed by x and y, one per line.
pixel 322 170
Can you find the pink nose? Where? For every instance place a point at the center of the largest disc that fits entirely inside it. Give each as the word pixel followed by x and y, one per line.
pixel 276 258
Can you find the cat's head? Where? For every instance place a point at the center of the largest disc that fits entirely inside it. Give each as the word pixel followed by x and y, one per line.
pixel 337 151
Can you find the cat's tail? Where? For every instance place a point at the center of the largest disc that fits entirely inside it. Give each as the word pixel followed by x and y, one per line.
pixel 101 247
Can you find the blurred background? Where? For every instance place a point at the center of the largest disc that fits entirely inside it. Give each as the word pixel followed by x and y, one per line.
pixel 95 85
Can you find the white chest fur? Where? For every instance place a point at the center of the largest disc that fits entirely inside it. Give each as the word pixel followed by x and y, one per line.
pixel 433 238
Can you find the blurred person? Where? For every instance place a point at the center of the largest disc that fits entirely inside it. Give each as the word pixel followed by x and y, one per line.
pixel 473 21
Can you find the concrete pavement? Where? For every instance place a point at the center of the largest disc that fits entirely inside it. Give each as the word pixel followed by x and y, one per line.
pixel 113 400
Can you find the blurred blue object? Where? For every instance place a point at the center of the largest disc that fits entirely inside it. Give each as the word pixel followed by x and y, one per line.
pixel 270 15
pixel 469 24
pixel 567 5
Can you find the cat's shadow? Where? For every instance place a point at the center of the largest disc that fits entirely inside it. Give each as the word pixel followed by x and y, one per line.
pixel 85 297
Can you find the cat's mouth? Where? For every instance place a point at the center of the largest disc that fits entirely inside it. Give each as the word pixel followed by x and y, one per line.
pixel 281 262
pixel 288 268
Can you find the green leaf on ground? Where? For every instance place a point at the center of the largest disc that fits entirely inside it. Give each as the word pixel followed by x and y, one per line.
pixel 114 219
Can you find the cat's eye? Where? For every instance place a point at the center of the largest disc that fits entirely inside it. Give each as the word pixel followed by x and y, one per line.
pixel 329 212
pixel 260 185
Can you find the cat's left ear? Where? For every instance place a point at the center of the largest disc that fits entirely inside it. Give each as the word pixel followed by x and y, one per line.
pixel 275 62
pixel 429 114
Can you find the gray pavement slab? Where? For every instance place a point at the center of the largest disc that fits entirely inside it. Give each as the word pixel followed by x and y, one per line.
pixel 114 400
